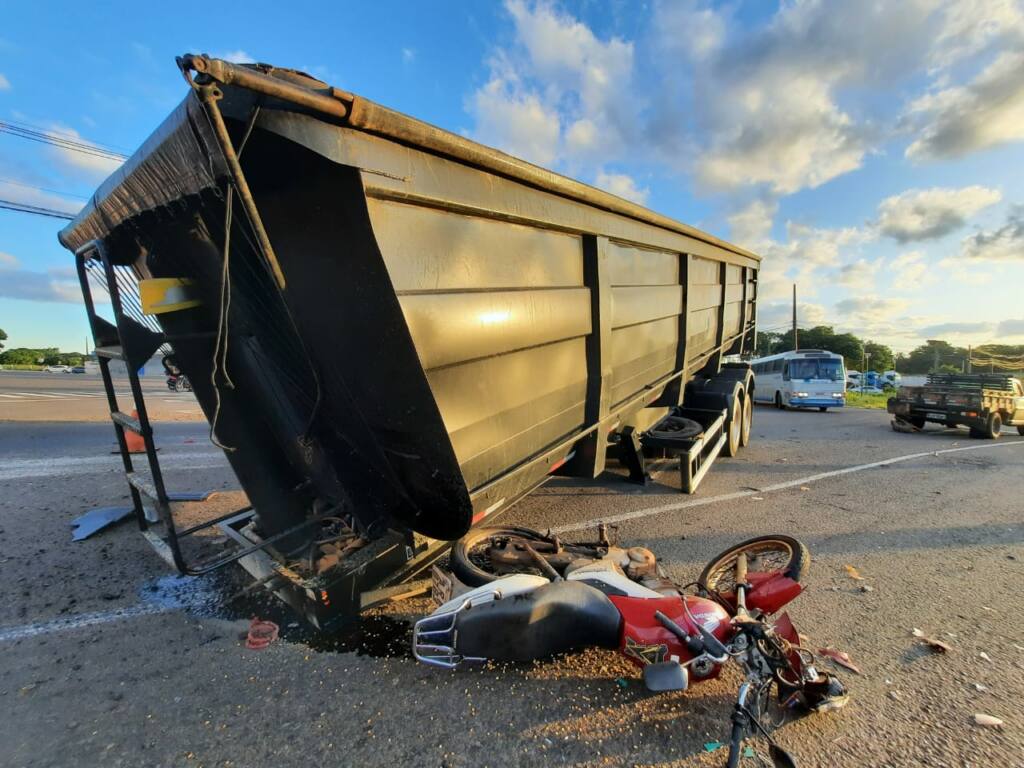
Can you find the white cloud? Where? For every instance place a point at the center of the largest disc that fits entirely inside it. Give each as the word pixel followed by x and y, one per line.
pixel 750 227
pixel 985 113
pixel 408 55
pixel 58 285
pixel 237 56
pixel 622 185
pixel 942 330
pixel 865 309
pixel 5 84
pixel 969 26
pixel 859 274
pixel 772 101
pixel 926 214
pixel 516 120
pixel 778 315
pixel 30 195
pixel 559 75
pixel 1003 244
pixel 93 167
pixel 909 271
pixel 1011 327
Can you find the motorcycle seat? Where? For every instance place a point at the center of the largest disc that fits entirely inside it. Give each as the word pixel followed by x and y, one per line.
pixel 554 618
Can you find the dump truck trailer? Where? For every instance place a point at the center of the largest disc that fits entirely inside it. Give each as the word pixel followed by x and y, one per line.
pixel 395 332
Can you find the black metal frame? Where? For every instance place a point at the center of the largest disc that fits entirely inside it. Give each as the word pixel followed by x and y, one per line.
pixel 133 344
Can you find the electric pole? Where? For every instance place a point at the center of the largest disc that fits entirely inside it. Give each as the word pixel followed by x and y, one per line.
pixel 796 341
pixel 969 356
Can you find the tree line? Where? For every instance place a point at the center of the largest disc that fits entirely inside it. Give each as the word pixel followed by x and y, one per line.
pixel 41 356
pixel 934 355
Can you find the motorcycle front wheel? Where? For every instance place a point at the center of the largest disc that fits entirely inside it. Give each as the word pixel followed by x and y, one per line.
pixel 764 554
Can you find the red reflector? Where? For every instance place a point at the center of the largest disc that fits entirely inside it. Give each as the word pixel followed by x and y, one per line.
pixel 972 413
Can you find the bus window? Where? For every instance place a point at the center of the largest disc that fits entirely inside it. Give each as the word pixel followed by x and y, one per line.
pixel 786 369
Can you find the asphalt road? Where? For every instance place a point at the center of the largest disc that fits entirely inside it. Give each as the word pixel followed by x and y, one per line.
pixel 65 397
pixel 939 537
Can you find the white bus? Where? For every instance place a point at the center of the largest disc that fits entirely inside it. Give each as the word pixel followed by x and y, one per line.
pixel 810 378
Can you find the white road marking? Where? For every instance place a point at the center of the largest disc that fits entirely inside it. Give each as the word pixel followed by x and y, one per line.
pixel 36 394
pixel 80 621
pixel 20 469
pixel 661 509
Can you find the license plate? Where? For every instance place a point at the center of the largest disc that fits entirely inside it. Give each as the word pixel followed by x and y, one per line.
pixel 440 585
pixel 940 416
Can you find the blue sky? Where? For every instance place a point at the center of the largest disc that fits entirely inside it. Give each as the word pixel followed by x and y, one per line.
pixel 872 153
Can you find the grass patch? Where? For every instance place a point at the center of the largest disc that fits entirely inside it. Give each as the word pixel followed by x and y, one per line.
pixel 857 400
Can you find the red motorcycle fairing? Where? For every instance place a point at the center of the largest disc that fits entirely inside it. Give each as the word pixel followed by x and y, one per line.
pixel 770 591
pixel 645 641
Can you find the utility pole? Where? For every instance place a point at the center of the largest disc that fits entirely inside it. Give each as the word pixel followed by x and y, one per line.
pixel 796 342
pixel 935 365
pixel 970 355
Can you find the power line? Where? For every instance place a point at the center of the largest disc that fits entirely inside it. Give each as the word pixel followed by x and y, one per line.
pixel 42 189
pixel 38 210
pixel 59 140
pixel 65 135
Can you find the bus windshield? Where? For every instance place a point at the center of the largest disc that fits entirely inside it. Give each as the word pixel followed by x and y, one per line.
pixel 832 370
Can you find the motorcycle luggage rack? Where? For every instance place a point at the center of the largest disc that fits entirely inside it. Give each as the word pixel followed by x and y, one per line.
pixel 133 338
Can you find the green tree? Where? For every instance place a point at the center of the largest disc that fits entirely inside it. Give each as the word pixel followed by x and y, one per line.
pixel 3 338
pixel 881 356
pixel 767 343
pixel 933 354
pixel 825 337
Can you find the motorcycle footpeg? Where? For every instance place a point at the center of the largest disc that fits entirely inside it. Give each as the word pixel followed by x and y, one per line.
pixel 666 676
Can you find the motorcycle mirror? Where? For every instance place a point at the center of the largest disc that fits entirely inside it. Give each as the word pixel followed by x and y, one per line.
pixel 780 757
pixel 666 676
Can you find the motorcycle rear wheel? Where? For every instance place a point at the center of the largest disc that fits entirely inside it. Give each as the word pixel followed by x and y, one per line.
pixel 466 553
pixel 764 553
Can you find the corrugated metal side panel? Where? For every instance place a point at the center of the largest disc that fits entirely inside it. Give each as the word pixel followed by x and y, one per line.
pixel 702 305
pixel 647 299
pixel 498 314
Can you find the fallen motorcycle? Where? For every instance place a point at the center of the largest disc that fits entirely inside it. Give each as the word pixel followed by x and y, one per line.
pixel 531 595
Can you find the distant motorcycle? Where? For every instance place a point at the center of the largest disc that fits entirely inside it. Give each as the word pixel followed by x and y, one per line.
pixel 534 595
pixel 179 383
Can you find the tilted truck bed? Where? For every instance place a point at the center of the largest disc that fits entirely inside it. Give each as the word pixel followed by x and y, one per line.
pixel 420 329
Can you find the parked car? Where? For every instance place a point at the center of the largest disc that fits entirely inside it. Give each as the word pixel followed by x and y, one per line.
pixel 78 369
pixel 57 369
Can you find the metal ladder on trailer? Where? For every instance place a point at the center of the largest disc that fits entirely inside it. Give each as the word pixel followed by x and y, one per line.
pixel 132 342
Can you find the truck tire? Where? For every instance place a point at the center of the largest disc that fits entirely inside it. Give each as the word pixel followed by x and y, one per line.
pixel 1020 430
pixel 993 426
pixel 917 421
pixel 734 426
pixel 748 419
pixel 822 408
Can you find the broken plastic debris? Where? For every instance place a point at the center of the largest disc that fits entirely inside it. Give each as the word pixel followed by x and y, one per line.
pixel 853 573
pixel 757 498
pixel 261 634
pixel 748 752
pixel 621 682
pixel 985 656
pixel 987 720
pixel 711 746
pixel 840 658
pixel 931 642
pixel 96 520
